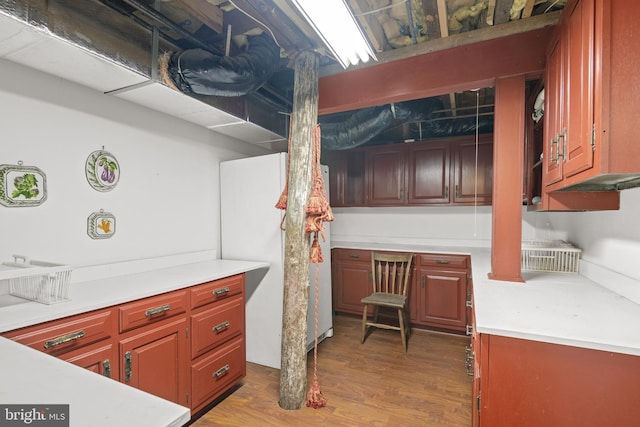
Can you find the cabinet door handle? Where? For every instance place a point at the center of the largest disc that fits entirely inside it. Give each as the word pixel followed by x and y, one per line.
pixel 106 368
pixel 221 291
pixel 222 326
pixel 563 135
pixel 400 193
pixel 552 159
pixel 127 366
pixel 220 372
pixel 457 191
pixel 64 339
pixel 356 256
pixel 157 310
pixel 422 281
pixel 442 261
pixel 446 191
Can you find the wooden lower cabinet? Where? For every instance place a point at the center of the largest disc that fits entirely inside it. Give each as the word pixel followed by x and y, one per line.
pixel 440 297
pixel 218 351
pixel 154 359
pixel 438 293
pixel 214 373
pixel 185 346
pixel 351 279
pixel 530 383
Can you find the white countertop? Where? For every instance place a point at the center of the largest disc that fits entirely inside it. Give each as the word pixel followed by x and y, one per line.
pixel 31 377
pixel 559 308
pixel 91 295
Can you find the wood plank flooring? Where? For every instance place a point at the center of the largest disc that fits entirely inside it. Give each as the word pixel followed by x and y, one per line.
pixel 370 384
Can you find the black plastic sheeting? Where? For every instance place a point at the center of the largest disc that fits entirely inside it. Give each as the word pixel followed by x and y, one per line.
pixel 204 73
pixel 342 131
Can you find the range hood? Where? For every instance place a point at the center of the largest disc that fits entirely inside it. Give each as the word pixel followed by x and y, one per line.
pixel 92 45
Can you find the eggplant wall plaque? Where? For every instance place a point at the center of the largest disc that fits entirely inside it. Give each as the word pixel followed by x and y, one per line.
pixel 102 170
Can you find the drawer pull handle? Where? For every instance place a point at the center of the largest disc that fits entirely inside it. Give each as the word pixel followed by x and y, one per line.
pixel 469 360
pixel 222 326
pixel 220 372
pixel 354 256
pixel 221 291
pixel 442 261
pixel 106 368
pixel 127 366
pixel 63 339
pixel 157 310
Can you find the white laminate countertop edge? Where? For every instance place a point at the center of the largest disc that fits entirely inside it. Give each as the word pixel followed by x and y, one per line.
pixel 30 377
pixel 108 291
pixel 558 308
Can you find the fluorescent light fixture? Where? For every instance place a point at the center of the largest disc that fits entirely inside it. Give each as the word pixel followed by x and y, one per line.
pixel 338 29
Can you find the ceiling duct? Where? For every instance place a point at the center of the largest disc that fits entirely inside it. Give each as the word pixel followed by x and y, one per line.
pixel 105 46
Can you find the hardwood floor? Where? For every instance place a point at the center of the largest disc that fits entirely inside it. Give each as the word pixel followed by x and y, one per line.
pixel 370 384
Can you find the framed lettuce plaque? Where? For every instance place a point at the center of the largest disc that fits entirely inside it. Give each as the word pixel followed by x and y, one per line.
pixel 22 185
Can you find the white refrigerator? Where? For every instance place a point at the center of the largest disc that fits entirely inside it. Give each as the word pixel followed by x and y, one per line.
pixel 250 230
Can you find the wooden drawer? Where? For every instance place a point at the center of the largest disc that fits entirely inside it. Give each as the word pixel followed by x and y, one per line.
pixel 101 358
pixel 352 254
pixel 150 310
pixel 217 290
pixel 212 375
pixel 67 334
pixel 216 325
pixel 444 261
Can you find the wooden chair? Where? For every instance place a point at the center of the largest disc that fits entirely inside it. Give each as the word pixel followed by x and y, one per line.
pixel 390 276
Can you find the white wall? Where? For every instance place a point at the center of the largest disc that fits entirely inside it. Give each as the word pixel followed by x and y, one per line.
pixel 166 202
pixel 442 225
pixel 609 239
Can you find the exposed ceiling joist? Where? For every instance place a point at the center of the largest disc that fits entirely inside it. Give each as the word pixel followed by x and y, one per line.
pixel 456 40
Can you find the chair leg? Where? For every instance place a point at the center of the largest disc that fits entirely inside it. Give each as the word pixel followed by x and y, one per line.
pixel 364 324
pixel 403 334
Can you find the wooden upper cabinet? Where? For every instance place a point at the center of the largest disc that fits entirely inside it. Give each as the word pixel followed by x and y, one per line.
pixel 386 176
pixel 473 170
pixel 579 78
pixel 592 100
pixel 444 171
pixel 346 177
pixel 570 77
pixel 552 172
pixel 428 181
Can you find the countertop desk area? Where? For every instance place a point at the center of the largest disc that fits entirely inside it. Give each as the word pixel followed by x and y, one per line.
pixel 558 308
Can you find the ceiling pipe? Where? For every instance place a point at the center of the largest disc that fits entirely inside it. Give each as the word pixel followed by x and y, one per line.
pixel 160 18
pixel 120 37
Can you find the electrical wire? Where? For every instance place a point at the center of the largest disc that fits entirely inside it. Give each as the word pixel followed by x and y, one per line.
pixel 380 9
pixel 475 190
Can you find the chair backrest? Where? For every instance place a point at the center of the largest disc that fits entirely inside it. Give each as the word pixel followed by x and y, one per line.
pixel 390 272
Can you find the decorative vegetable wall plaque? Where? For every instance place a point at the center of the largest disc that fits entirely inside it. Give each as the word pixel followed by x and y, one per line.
pixel 101 225
pixel 22 185
pixel 102 170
